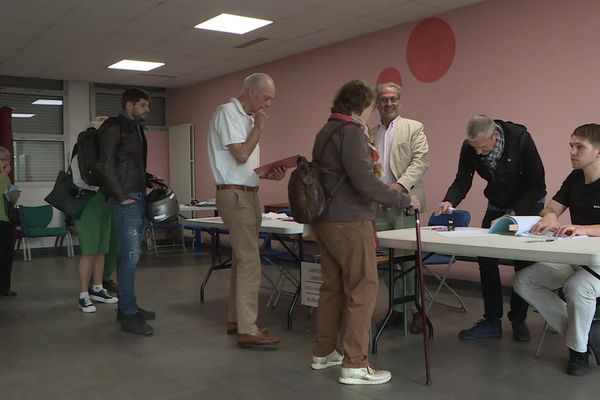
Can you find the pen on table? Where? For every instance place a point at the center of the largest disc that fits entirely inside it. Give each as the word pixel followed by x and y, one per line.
pixel 539 241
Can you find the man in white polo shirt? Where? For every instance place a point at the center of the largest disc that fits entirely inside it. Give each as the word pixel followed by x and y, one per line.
pixel 233 152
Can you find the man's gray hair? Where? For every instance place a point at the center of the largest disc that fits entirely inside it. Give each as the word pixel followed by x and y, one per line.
pixel 4 153
pixel 254 80
pixel 379 88
pixel 480 124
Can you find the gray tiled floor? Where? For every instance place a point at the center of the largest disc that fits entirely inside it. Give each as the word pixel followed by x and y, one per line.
pixel 50 350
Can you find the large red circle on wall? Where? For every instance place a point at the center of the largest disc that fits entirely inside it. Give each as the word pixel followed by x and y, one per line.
pixel 430 50
pixel 390 74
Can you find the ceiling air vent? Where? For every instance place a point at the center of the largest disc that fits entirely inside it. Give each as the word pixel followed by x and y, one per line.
pixel 251 43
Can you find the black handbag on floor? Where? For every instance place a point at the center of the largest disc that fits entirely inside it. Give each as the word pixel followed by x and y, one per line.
pixel 67 197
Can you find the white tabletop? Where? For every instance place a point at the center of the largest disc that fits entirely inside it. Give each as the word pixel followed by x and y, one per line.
pixel 584 251
pixel 210 207
pixel 267 225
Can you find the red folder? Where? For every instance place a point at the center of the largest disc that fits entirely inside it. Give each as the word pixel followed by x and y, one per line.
pixel 289 162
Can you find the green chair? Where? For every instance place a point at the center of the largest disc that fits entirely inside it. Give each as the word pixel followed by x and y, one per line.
pixel 34 224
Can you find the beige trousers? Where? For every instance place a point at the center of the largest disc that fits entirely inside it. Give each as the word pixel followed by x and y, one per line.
pixel 241 214
pixel 394 218
pixel 349 289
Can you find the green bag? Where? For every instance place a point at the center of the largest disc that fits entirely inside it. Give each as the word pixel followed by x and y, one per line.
pixel 67 197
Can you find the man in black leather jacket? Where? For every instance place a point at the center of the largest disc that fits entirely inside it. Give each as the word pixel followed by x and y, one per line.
pixel 504 154
pixel 123 152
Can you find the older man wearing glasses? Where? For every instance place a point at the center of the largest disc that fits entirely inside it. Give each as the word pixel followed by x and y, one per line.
pixel 403 148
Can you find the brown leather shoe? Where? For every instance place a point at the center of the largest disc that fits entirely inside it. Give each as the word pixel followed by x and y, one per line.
pixel 232 329
pixel 256 340
pixel 416 326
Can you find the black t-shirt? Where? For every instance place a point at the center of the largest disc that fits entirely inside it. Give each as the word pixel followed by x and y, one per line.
pixel 583 200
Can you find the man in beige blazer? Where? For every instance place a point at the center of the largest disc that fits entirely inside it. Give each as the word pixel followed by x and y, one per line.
pixel 403 152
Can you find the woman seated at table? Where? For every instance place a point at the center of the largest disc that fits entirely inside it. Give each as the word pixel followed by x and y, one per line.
pixel 349 168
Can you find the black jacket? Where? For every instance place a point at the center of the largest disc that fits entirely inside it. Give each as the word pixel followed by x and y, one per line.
pixel 518 181
pixel 123 152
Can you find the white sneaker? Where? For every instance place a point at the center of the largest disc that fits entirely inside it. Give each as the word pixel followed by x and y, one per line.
pixel 364 376
pixel 86 305
pixel 103 297
pixel 331 359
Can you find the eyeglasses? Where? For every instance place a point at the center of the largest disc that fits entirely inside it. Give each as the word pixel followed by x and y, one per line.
pixel 384 100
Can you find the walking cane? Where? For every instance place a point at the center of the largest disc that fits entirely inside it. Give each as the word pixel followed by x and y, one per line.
pixel 427 326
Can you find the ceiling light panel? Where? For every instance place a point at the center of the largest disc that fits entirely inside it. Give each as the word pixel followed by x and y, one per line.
pixel 135 65
pixel 48 102
pixel 233 24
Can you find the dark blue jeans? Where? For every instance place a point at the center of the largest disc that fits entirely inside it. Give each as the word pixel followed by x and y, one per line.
pixel 491 287
pixel 130 222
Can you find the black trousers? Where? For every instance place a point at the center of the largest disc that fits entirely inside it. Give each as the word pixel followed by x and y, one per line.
pixel 491 287
pixel 7 244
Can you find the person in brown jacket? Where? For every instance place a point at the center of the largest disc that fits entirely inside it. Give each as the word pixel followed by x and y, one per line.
pixel 346 236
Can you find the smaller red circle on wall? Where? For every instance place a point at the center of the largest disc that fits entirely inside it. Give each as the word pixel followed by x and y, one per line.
pixel 431 48
pixel 390 74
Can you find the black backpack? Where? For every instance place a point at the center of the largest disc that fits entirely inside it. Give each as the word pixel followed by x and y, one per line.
pixel 88 155
pixel 307 198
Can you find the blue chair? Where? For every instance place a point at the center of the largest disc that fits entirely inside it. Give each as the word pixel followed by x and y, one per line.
pixel 460 218
pixel 34 224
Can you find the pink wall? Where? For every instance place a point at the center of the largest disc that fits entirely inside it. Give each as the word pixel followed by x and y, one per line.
pixel 158 153
pixel 529 61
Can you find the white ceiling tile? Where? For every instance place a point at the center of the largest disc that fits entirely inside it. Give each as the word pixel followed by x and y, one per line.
pixel 139 32
pixel 26 66
pixel 448 4
pixel 28 14
pixel 59 4
pixel 405 13
pixel 208 6
pixel 75 22
pixel 121 8
pixel 12 44
pixel 205 38
pixel 14 29
pixel 78 39
pixel 357 7
pixel 271 10
pixel 167 14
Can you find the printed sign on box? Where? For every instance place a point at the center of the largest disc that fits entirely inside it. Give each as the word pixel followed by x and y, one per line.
pixel 310 284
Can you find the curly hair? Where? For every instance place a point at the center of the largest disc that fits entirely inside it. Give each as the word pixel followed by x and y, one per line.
pixel 353 98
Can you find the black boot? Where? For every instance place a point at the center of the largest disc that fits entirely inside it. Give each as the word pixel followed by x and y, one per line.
pixel 135 324
pixel 578 364
pixel 144 314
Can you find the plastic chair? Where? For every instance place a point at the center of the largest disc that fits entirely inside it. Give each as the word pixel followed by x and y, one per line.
pixel 460 218
pixel 34 224
pixel 171 225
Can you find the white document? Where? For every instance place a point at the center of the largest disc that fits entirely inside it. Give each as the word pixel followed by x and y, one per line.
pixel 273 215
pixel 548 237
pixel 465 232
